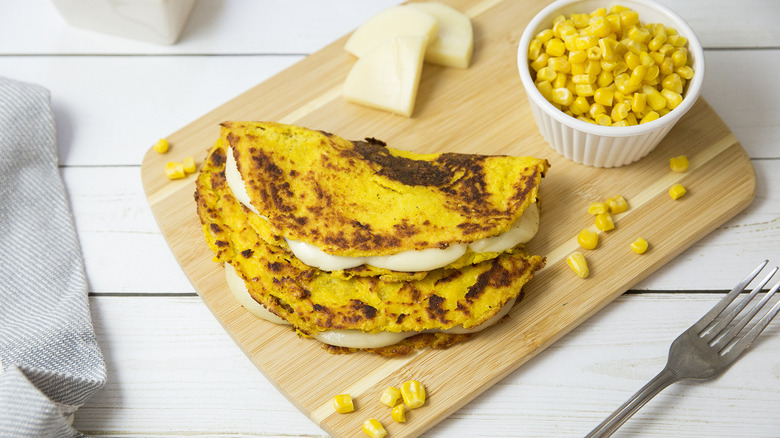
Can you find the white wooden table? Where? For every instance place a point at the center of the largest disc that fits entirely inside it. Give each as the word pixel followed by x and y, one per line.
pixel 172 369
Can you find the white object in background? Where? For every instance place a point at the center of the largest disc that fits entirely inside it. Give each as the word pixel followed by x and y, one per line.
pixel 156 21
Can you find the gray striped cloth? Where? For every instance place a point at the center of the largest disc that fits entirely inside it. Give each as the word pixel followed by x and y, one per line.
pixel 50 362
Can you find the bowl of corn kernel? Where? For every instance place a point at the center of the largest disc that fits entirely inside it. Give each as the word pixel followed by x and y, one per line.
pixel 607 80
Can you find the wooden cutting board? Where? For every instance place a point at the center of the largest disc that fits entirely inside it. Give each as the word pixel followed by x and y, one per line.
pixel 479 110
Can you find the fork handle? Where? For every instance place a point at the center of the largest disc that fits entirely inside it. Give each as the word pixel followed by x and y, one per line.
pixel 629 408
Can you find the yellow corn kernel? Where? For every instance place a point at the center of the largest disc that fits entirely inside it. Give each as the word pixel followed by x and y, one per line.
pixel 680 57
pixel 631 119
pixel 174 170
pixel 593 67
pixel 540 62
pixel 545 87
pixel 161 146
pixel 678 164
pixel 399 413
pixel 655 100
pixel 555 47
pixel 390 396
pixel 667 66
pixel 638 103
pixel 608 49
pixel 637 76
pixel 628 18
pixel 342 403
pixel 617 204
pixel 649 117
pixel 584 90
pixel 685 72
pixel 579 106
pixel 604 222
pixel 560 80
pixel 599 26
pixel 597 208
pixel 620 111
pixel 545 35
pixel 562 96
pixel 603 120
pixel 559 64
pixel 594 53
pixel 623 122
pixel 413 393
pixel 578 264
pixel 588 239
pixel 373 428
pixel 639 246
pixel 600 12
pixel 534 49
pixel 578 56
pixel 639 34
pixel 632 60
pixel 595 110
pixel 672 99
pixel 673 82
pixel 586 119
pixel 580 20
pixel 677 40
pixel 652 73
pixel 613 20
pixel 189 165
pixel 604 79
pixel 656 42
pixel 677 191
pixel 546 74
pixel 584 79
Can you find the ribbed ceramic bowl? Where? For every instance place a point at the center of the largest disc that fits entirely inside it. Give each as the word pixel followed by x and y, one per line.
pixel 606 146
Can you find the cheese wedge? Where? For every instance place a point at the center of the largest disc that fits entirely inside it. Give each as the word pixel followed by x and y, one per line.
pixel 454 43
pixel 388 76
pixel 397 21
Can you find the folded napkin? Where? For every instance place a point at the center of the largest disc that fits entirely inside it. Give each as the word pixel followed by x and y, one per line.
pixel 50 362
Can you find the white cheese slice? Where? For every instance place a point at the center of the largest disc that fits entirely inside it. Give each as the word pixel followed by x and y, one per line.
pixel 521 231
pixel 387 77
pixel 345 337
pixel 454 42
pixel 397 21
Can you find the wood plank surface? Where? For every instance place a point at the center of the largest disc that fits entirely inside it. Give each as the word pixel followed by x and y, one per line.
pixel 487 99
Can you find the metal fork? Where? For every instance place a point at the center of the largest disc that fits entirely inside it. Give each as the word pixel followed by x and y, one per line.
pixel 703 351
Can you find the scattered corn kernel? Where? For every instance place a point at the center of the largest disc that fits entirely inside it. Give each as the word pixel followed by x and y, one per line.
pixel 617 204
pixel 174 170
pixel 611 58
pixel 588 239
pixel 677 191
pixel 679 164
pixel 597 208
pixel 578 264
pixel 161 146
pixel 373 428
pixel 399 413
pixel 342 403
pixel 390 396
pixel 189 165
pixel 639 246
pixel 413 393
pixel 604 222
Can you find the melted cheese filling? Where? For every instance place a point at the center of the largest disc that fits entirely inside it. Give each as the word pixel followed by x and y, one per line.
pixel 344 337
pixel 521 231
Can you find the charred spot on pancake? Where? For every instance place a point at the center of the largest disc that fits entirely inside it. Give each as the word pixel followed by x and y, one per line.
pixel 221 243
pixel 218 158
pixel 369 312
pixel 435 309
pixel 216 229
pixel 454 275
pixel 400 318
pixel 247 253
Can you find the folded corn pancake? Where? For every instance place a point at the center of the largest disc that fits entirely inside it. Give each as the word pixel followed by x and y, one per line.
pixel 324 175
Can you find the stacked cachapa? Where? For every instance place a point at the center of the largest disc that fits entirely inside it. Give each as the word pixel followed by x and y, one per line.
pixel 362 246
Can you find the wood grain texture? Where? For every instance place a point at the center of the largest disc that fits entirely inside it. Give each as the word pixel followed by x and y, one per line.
pixel 479 110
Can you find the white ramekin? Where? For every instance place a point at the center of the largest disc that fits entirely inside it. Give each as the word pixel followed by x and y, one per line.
pixel 606 146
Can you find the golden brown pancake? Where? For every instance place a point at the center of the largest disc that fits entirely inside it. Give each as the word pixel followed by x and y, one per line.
pixel 313 300
pixel 362 198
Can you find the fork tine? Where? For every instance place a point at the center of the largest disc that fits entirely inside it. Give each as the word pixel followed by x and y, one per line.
pixel 733 351
pixel 707 319
pixel 715 333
